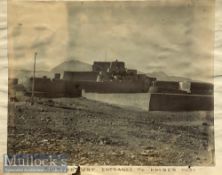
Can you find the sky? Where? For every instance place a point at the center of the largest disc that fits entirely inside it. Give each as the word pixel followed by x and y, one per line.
pixel 161 36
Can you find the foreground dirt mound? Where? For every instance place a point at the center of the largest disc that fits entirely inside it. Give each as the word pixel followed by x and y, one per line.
pixel 94 133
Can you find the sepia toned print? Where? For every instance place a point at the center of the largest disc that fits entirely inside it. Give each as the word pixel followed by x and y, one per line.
pixel 112 83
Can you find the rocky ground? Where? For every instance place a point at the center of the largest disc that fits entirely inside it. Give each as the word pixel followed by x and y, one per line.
pixel 95 133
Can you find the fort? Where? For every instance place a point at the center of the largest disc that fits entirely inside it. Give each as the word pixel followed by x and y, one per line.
pixel 110 77
pixel 115 78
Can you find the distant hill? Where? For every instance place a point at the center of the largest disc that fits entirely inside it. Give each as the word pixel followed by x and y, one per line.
pixel 164 77
pixel 23 74
pixel 72 65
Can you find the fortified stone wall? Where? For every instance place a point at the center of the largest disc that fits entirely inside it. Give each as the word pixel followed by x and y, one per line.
pixel 201 88
pixel 80 76
pixel 45 87
pixel 180 102
pixel 115 86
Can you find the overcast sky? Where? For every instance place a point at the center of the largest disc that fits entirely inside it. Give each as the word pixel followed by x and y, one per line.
pixel 175 38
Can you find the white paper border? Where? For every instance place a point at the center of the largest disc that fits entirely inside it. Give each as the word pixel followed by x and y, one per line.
pixel 217 97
